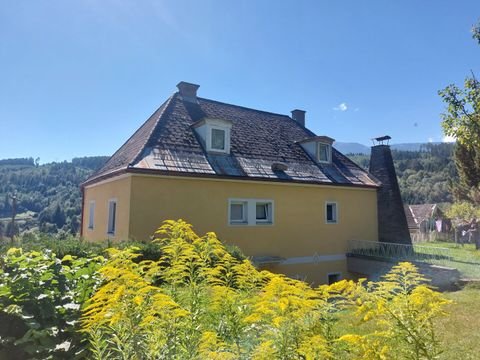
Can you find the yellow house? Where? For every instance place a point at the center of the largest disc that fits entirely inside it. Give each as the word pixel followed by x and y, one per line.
pixel 261 181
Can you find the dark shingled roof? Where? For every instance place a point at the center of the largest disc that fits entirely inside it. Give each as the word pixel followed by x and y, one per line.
pixel 167 144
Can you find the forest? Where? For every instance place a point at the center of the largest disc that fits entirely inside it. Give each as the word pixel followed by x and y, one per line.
pixel 424 176
pixel 49 199
pixel 48 196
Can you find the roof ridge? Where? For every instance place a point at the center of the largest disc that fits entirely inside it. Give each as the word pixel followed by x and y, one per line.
pixel 245 107
pixel 263 112
pixel 154 127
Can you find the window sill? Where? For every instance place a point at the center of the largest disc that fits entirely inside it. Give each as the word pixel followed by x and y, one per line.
pixel 238 223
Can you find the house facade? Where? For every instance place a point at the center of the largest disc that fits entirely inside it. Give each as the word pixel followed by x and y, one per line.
pixel 259 180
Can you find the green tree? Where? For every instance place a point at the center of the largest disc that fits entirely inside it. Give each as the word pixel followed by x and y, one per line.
pixel 58 217
pixel 462 121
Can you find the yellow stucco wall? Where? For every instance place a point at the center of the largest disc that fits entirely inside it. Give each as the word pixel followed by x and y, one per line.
pixel 298 232
pixel 299 213
pixel 102 193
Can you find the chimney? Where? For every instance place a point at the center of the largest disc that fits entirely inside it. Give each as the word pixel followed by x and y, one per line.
pixel 299 116
pixel 188 91
pixel 392 222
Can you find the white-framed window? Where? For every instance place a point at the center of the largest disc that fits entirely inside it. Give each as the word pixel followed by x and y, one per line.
pixel 238 212
pixel 334 277
pixel 91 215
pixel 112 216
pixel 324 152
pixel 250 212
pixel 214 134
pixel 331 212
pixel 218 138
pixel 263 212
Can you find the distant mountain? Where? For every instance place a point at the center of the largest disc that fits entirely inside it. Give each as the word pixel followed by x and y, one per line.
pixel 411 146
pixel 351 148
pixel 356 148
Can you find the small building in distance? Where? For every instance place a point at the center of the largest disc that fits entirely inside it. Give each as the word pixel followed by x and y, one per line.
pixel 427 222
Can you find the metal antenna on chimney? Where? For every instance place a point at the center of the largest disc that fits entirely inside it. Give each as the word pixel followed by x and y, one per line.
pixel 381 140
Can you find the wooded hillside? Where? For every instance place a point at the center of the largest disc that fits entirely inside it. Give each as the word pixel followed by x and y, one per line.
pixel 48 196
pixel 423 176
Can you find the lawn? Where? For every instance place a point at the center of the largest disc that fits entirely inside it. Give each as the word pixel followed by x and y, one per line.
pixel 463 257
pixel 459 332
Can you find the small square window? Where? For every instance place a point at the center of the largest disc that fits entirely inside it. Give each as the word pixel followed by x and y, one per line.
pixel 263 212
pixel 238 213
pixel 331 213
pixel 323 152
pixel 218 139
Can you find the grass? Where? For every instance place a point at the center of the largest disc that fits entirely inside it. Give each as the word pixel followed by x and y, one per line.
pixel 463 257
pixel 459 332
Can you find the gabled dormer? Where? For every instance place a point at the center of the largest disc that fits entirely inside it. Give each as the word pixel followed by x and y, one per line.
pixel 319 148
pixel 214 134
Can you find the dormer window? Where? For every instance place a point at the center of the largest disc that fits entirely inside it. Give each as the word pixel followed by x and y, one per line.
pixel 217 139
pixel 319 148
pixel 324 152
pixel 214 134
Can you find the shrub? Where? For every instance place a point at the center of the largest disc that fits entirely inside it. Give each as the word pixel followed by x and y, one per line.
pixel 40 302
pixel 197 301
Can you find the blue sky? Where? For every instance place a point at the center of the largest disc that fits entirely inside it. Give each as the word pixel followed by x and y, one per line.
pixel 78 78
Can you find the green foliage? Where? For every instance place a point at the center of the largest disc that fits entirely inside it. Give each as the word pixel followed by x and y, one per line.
pixel 48 195
pixel 461 120
pixel 403 309
pixel 463 212
pixel 40 302
pixel 197 301
pixel 424 176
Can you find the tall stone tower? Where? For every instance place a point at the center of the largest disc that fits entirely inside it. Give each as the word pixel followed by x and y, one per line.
pixel 392 222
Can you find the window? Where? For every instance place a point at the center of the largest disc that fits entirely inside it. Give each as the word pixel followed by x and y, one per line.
pixel 214 134
pixel 263 212
pixel 238 212
pixel 324 152
pixel 112 212
pixel 331 216
pixel 334 277
pixel 250 212
pixel 218 139
pixel 91 214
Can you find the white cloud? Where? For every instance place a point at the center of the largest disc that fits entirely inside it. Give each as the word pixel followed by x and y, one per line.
pixel 430 140
pixel 448 139
pixel 341 107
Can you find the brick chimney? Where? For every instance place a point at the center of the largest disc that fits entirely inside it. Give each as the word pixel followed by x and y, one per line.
pixel 188 91
pixel 392 222
pixel 299 116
